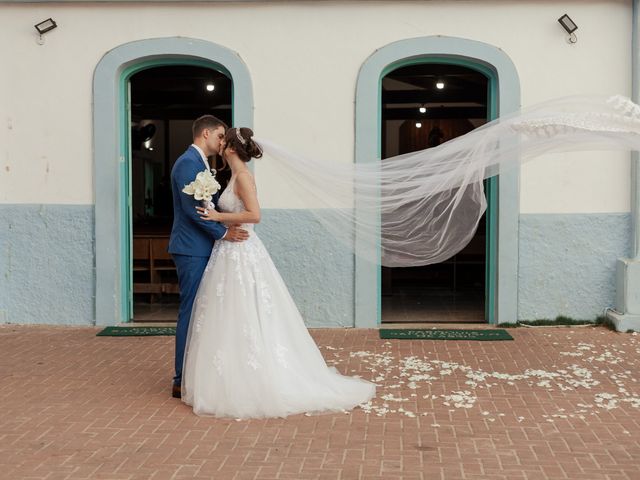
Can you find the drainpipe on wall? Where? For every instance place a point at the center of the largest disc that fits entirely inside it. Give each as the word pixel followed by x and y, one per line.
pixel 627 314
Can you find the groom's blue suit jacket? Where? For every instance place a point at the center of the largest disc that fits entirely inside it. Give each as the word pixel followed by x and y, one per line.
pixel 190 235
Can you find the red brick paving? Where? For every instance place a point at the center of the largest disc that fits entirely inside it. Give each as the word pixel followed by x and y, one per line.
pixel 77 406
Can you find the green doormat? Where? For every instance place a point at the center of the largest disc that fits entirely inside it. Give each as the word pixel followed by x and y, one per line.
pixel 445 334
pixel 136 331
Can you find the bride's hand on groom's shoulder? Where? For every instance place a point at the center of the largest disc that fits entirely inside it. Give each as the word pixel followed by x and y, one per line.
pixel 208 214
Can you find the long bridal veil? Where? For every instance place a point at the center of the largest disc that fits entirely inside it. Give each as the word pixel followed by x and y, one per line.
pixel 424 207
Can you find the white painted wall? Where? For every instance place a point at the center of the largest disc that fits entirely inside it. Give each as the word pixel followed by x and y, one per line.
pixel 304 60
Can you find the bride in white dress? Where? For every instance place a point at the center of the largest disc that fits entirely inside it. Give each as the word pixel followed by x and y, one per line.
pixel 249 354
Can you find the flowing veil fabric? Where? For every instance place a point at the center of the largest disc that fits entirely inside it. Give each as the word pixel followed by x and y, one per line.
pixel 249 354
pixel 424 207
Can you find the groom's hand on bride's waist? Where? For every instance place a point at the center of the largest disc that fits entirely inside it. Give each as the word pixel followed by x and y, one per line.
pixel 236 234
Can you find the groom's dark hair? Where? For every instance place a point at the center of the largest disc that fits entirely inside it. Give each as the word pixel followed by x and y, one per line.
pixel 204 122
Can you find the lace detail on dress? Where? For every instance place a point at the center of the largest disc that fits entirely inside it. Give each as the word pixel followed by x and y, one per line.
pixel 247 327
pixel 218 362
pixel 229 201
pixel 200 308
pixel 254 348
pixel 281 351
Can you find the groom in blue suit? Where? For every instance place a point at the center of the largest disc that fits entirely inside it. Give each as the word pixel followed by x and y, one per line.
pixel 191 237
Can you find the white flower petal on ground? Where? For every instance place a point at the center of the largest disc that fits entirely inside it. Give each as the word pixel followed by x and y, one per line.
pixel 421 373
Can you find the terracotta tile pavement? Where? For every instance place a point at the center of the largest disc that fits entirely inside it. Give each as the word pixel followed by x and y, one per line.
pixel 553 404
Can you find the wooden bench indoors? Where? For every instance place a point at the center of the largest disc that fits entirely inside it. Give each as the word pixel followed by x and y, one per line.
pixel 150 256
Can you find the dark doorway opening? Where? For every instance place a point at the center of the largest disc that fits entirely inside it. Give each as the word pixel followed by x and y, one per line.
pixel 164 102
pixel 423 106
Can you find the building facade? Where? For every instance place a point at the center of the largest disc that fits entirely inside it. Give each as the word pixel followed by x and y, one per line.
pixel 308 76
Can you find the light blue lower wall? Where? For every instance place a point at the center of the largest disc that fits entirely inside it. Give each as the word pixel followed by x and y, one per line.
pixel 567 263
pixel 46 264
pixel 318 270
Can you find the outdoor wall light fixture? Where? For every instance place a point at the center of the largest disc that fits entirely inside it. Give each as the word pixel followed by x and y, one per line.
pixel 570 27
pixel 44 27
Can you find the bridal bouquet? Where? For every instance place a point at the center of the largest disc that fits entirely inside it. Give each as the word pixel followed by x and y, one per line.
pixel 203 188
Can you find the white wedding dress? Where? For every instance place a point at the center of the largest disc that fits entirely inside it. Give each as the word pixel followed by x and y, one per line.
pixel 248 353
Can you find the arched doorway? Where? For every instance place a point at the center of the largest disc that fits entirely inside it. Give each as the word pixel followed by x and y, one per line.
pixel 496 65
pixel 163 102
pixel 423 105
pixel 112 139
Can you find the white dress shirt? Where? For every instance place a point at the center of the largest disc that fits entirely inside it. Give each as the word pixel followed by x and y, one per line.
pixel 204 157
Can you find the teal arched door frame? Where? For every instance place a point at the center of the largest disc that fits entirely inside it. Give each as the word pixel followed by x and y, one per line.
pixel 503 193
pixel 112 150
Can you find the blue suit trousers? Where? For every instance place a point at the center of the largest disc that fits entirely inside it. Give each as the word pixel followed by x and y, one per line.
pixel 190 270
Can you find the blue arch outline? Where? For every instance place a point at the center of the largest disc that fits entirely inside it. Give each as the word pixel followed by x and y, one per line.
pixel 108 143
pixel 367 148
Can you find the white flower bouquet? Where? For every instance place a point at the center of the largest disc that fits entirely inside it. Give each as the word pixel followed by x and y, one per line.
pixel 203 188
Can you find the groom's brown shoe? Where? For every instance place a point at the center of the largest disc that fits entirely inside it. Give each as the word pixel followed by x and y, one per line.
pixel 176 391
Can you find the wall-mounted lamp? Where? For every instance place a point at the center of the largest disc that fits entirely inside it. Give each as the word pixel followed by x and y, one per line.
pixel 44 27
pixel 570 27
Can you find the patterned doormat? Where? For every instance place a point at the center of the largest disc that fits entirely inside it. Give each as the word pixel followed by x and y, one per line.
pixel 445 334
pixel 136 331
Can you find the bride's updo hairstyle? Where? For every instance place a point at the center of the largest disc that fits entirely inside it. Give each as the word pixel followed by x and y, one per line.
pixel 241 140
